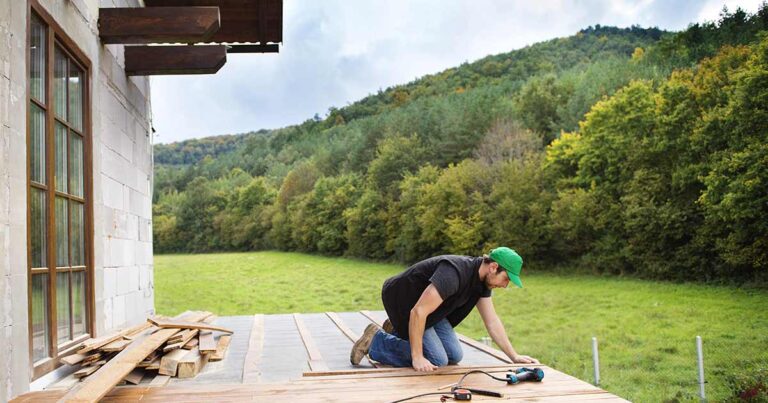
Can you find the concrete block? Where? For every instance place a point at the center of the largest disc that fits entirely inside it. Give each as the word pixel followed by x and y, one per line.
pixel 108 315
pixel 138 203
pixel 5 360
pixel 145 230
pixel 143 253
pixel 17 262
pixel 122 253
pixel 113 193
pixel 118 311
pixel 135 310
pixel 109 286
pixel 19 333
pixel 5 94
pixel 127 280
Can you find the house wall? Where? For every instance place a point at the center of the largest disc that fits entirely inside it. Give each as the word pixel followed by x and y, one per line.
pixel 121 174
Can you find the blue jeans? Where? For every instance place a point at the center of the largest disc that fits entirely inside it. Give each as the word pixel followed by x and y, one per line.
pixel 440 345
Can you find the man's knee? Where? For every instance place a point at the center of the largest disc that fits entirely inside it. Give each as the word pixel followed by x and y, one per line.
pixel 455 355
pixel 439 360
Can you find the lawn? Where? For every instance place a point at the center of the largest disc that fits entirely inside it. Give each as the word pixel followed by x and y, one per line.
pixel 646 330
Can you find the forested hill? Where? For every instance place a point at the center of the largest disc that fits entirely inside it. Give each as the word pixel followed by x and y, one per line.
pixel 628 151
pixel 509 69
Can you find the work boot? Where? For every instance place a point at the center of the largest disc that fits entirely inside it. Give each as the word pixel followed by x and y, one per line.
pixel 387 327
pixel 361 346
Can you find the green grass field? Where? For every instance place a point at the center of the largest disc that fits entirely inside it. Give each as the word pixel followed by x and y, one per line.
pixel 646 329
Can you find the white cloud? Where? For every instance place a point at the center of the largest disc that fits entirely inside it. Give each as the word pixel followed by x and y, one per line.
pixel 338 51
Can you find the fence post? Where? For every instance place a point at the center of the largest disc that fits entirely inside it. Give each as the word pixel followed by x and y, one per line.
pixel 700 355
pixel 596 359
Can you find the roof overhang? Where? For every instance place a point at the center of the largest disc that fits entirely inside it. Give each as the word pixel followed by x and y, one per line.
pixel 209 29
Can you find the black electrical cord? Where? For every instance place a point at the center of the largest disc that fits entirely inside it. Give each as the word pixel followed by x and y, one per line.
pixel 457 386
pixel 478 371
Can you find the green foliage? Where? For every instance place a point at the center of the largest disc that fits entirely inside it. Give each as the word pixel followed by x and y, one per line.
pixel 624 151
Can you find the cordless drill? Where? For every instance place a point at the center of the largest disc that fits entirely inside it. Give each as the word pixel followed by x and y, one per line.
pixel 525 375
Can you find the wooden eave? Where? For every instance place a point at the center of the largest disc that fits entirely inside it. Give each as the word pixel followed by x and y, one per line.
pixel 172 60
pixel 158 24
pixel 242 21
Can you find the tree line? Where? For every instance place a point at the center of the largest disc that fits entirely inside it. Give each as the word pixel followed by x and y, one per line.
pixel 622 151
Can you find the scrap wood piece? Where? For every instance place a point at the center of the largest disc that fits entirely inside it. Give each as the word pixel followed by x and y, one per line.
pixel 221 348
pixel 192 363
pixel 135 376
pixel 182 342
pixel 154 365
pixel 93 344
pixel 85 371
pixel 72 359
pixel 122 364
pixel 170 362
pixel 251 372
pixel 191 344
pixel 91 358
pixel 207 344
pixel 160 380
pixel 316 362
pixel 167 324
pixel 117 345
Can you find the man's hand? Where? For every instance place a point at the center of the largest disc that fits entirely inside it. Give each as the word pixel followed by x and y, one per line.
pixel 524 359
pixel 422 364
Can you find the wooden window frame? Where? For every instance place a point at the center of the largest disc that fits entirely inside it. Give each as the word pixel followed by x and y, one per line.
pixel 56 37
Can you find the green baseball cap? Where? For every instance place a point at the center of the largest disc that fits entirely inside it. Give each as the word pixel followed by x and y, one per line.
pixel 510 261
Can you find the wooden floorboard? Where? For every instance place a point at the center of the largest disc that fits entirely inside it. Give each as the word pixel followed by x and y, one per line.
pixel 268 360
pixel 556 387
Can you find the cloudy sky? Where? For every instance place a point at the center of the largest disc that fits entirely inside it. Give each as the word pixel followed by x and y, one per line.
pixel 338 51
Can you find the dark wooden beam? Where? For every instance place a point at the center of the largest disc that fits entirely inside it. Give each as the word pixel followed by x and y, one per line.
pixel 257 21
pixel 266 48
pixel 170 60
pixel 158 24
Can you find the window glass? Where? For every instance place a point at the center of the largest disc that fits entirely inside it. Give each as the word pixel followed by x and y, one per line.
pixel 76 165
pixel 37 60
pixel 61 157
pixel 78 303
pixel 60 83
pixel 62 234
pixel 38 227
pixel 62 306
pixel 76 235
pixel 75 96
pixel 36 143
pixel 39 316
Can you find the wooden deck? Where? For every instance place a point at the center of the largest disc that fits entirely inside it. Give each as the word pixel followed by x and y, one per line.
pixel 305 357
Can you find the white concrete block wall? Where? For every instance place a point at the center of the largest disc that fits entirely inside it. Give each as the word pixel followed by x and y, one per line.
pixel 121 174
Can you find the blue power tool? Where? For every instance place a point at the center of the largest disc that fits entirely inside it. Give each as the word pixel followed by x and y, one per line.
pixel 525 374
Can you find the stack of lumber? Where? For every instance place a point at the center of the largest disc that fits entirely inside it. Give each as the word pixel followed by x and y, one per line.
pixel 161 347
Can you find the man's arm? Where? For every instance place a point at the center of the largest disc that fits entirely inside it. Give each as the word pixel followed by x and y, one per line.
pixel 497 332
pixel 429 301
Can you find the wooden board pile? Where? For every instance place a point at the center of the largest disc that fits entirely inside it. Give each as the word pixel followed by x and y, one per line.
pixel 162 347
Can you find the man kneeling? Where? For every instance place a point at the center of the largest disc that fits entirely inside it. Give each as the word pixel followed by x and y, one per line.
pixel 426 301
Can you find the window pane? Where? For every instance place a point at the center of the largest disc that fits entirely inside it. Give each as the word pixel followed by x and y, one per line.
pixel 75 96
pixel 39 316
pixel 38 227
pixel 76 165
pixel 37 143
pixel 37 60
pixel 76 235
pixel 62 235
pixel 61 157
pixel 78 303
pixel 62 306
pixel 60 83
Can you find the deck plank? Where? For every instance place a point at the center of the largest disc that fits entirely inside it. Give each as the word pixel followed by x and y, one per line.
pixel 316 362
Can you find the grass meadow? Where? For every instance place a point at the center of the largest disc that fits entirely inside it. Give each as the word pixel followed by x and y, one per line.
pixel 646 330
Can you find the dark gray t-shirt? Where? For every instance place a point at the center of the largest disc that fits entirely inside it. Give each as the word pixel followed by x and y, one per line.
pixel 456 279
